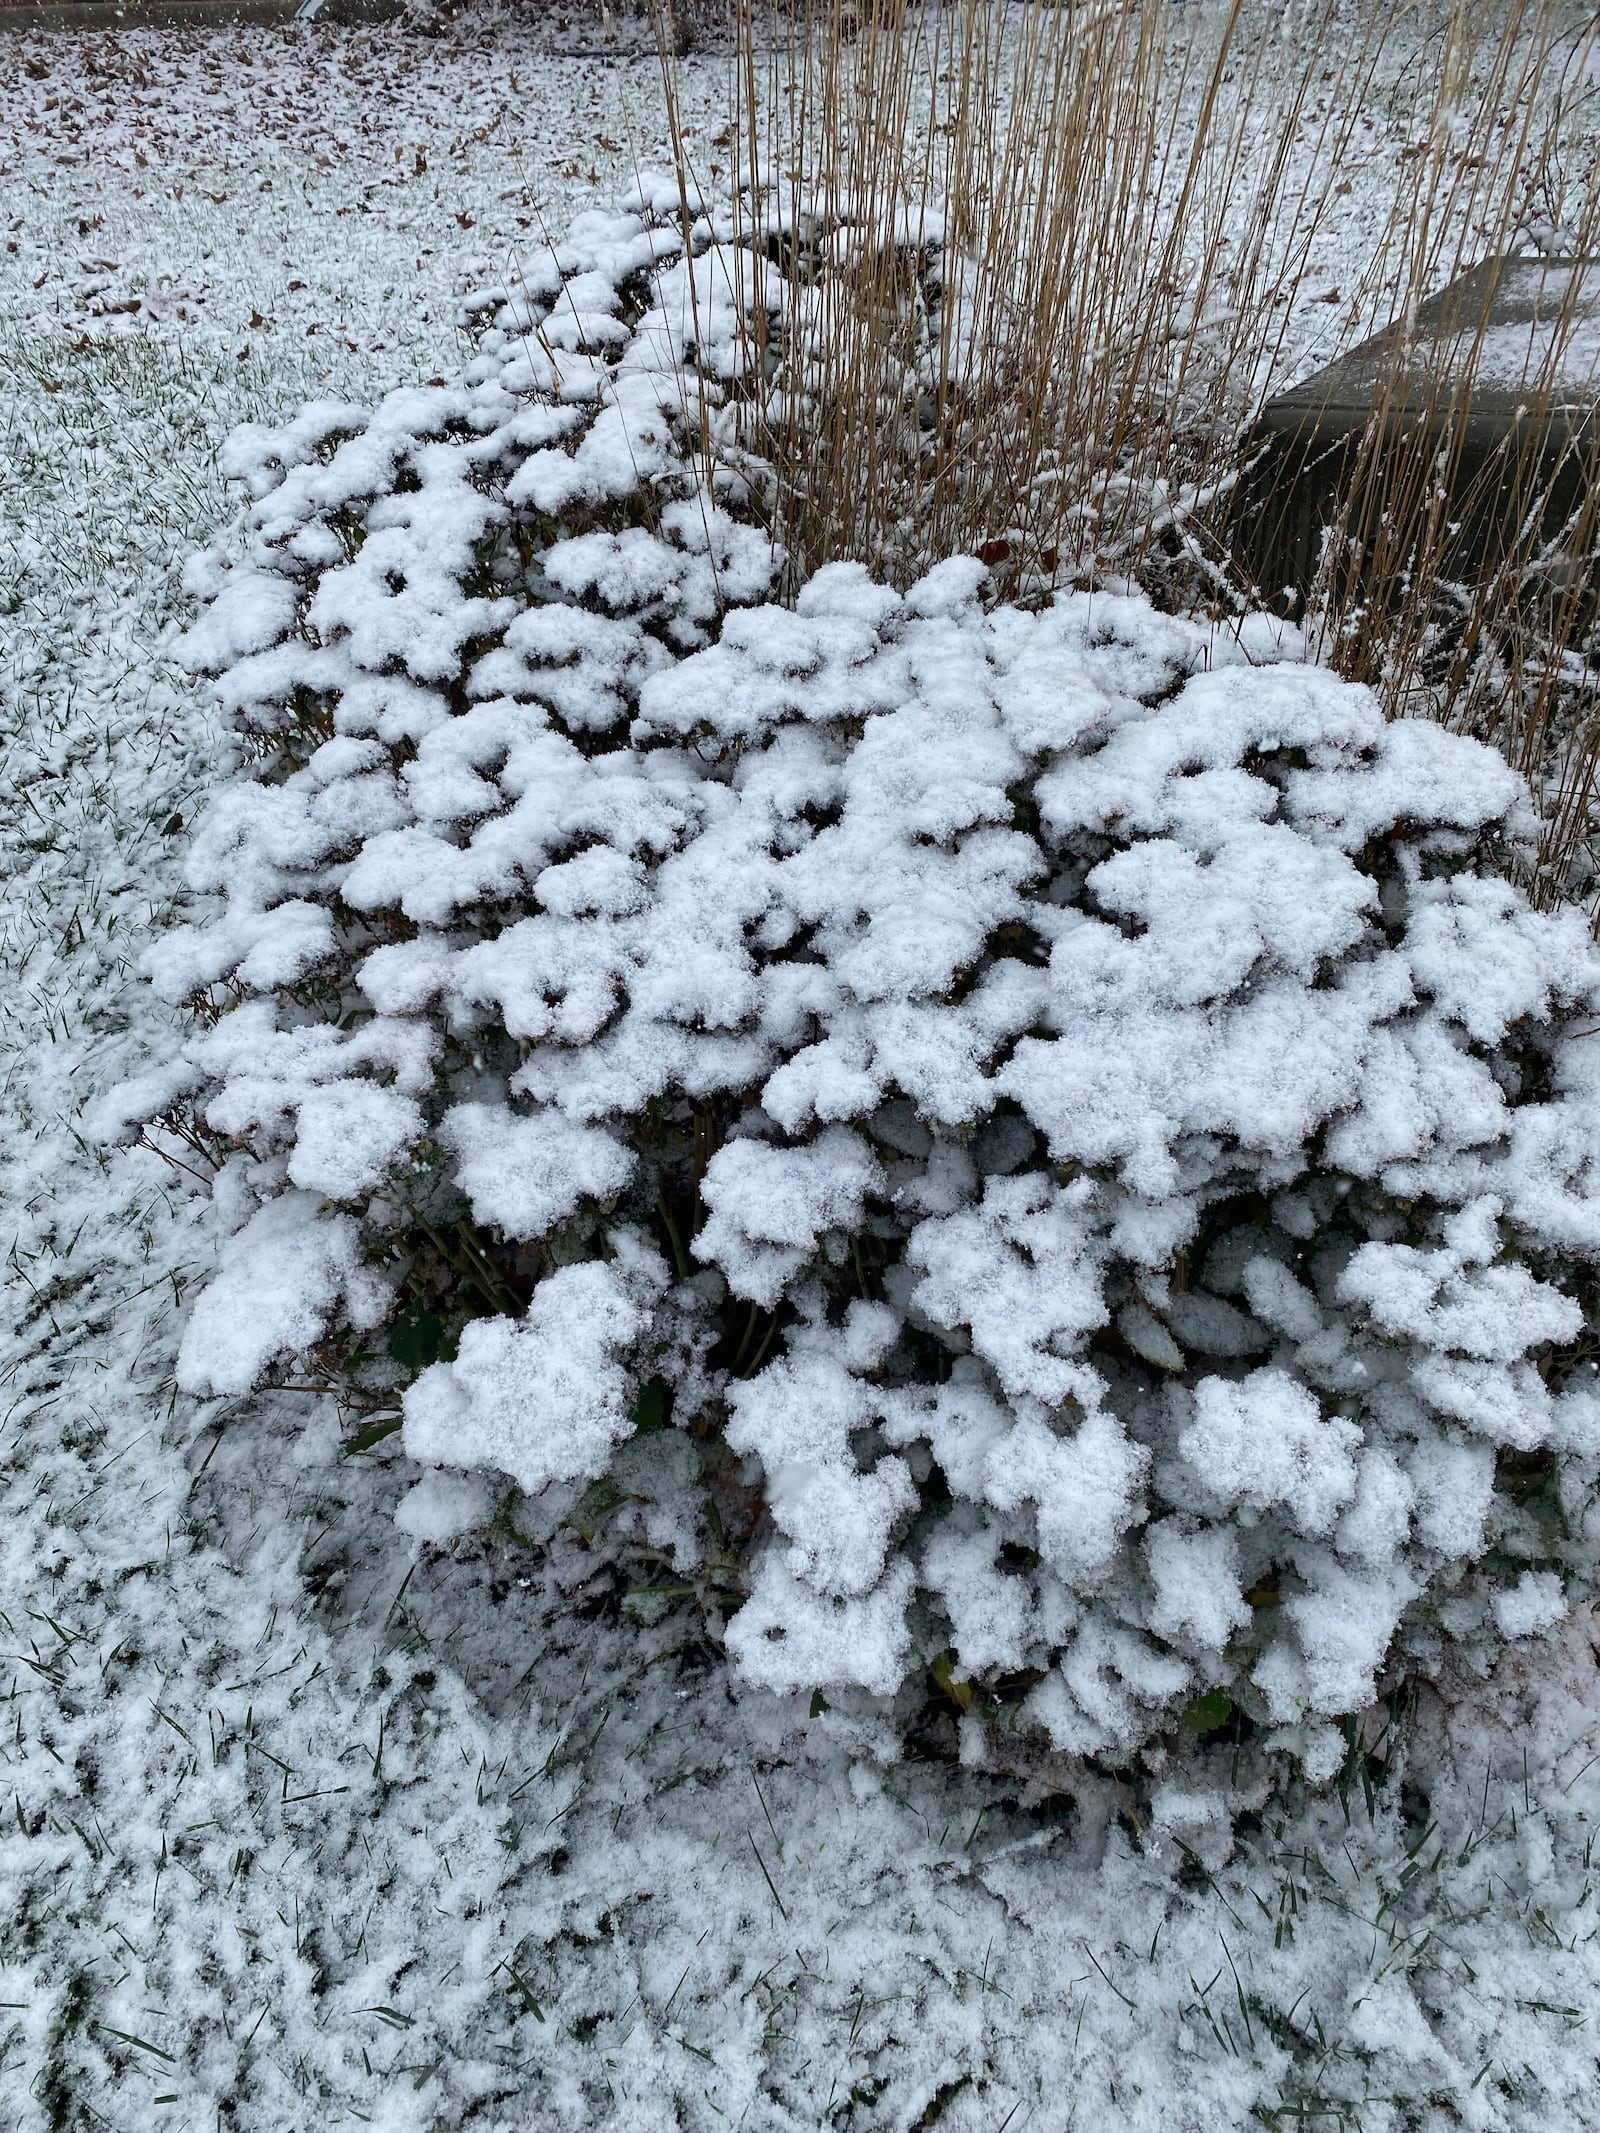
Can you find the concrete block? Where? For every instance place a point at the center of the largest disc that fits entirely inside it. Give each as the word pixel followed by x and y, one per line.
pixel 1487 405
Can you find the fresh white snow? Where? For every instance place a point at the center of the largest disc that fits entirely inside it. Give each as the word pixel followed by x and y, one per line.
pixel 313 1825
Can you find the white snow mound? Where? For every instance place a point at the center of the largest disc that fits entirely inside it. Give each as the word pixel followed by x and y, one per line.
pixel 1073 1113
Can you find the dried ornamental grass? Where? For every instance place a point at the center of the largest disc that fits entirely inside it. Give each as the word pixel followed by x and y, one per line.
pixel 1038 266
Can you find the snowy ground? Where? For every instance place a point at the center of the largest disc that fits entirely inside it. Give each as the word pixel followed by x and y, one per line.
pixel 304 1831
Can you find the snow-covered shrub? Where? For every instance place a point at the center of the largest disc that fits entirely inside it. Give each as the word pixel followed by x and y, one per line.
pixel 1069 1116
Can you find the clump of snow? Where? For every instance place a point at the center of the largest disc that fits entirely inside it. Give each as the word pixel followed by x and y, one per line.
pixel 1066 1116
pixel 1536 1602
pixel 543 1397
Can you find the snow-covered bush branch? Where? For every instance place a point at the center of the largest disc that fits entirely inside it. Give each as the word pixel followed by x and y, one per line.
pixel 1069 1108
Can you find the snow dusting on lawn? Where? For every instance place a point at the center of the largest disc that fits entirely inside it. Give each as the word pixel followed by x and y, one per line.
pixel 305 1824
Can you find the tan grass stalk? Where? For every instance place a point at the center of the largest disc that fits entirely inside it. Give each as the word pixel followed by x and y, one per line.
pixel 1039 262
pixel 1503 648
